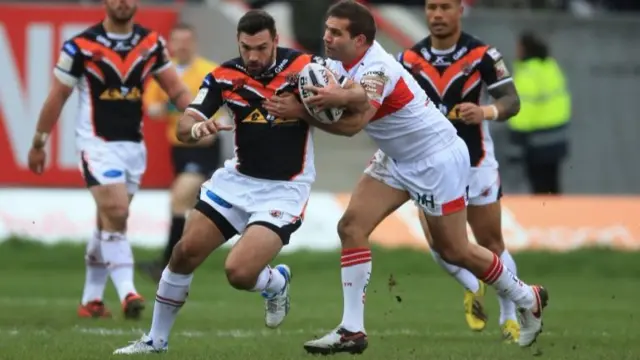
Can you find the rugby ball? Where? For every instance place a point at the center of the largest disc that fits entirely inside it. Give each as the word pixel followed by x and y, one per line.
pixel 317 75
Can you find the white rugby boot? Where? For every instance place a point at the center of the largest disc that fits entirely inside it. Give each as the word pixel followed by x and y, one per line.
pixel 531 319
pixel 277 305
pixel 339 340
pixel 143 346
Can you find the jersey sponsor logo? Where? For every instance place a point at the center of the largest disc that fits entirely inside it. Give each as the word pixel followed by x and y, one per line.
pixel 453 114
pixel 255 117
pixel 65 62
pixel 374 83
pixel 501 70
pixel 494 54
pixel 202 94
pixel 463 50
pixel 218 200
pixel 123 93
pixel 441 61
pixel 113 173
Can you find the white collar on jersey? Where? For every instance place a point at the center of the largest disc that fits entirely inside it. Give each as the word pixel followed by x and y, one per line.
pixel 435 51
pixel 116 36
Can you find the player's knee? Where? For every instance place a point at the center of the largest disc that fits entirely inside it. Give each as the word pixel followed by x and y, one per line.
pixel 490 237
pixel 349 232
pixel 184 257
pixel 116 213
pixel 453 255
pixel 180 204
pixel 239 276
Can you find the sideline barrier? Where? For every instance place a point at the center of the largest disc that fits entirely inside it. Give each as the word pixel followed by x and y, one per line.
pixel 529 223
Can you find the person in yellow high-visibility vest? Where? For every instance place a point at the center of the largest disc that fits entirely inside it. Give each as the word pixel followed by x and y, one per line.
pixel 192 164
pixel 540 130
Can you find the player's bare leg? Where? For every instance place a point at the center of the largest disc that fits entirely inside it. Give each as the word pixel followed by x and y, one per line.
pixel 184 192
pixel 371 202
pixel 247 268
pixel 113 210
pixel 451 242
pixel 201 237
pixel 486 224
pixel 474 289
pixel 92 303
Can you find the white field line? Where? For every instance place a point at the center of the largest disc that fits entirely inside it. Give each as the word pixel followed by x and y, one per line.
pixel 228 333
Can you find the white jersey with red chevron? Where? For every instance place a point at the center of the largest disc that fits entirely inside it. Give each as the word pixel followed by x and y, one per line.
pixel 407 126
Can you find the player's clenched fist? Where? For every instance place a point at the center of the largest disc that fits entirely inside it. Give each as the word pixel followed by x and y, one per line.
pixel 37 157
pixel 206 128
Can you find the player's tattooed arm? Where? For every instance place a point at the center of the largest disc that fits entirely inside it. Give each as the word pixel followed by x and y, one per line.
pixel 507 101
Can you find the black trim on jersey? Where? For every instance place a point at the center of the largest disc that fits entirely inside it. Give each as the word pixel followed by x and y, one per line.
pixel 473 58
pixel 116 104
pixel 266 147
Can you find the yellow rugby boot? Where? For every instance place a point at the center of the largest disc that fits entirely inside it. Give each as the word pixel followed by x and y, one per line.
pixel 474 308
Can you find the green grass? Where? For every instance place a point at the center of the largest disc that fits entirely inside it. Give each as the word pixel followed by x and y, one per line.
pixel 593 311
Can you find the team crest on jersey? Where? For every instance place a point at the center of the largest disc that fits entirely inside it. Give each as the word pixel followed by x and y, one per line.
pixel 238 83
pixel 144 52
pixel 97 56
pixel 416 69
pixel 275 213
pixel 466 68
pixel 292 79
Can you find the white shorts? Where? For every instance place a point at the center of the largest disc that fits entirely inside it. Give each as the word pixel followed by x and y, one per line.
pixel 234 201
pixel 484 186
pixel 438 184
pixel 116 162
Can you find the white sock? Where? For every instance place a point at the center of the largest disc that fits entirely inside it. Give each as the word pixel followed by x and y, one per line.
pixel 507 307
pixel 96 271
pixel 508 285
pixel 356 271
pixel 464 276
pixel 118 255
pixel 172 294
pixel 270 281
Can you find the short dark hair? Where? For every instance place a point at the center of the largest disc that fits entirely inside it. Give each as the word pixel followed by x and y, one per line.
pixel 255 21
pixel 361 20
pixel 185 27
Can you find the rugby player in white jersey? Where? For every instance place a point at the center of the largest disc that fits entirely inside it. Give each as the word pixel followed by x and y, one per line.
pixel 421 158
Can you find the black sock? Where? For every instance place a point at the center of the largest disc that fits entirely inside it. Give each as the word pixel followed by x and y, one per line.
pixel 175 232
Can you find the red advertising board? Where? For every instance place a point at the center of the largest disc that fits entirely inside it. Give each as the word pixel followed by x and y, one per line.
pixel 30 39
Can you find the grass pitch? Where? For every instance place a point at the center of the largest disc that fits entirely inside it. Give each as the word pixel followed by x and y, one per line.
pixel 593 310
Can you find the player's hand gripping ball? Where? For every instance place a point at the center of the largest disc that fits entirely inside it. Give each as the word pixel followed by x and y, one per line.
pixel 319 76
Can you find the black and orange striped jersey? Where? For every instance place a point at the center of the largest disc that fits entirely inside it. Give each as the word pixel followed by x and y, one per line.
pixel 266 147
pixel 109 71
pixel 455 76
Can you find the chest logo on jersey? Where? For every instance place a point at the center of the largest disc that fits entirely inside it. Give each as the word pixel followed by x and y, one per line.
pixel 123 93
pixel 256 117
pixel 441 80
pixel 123 64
